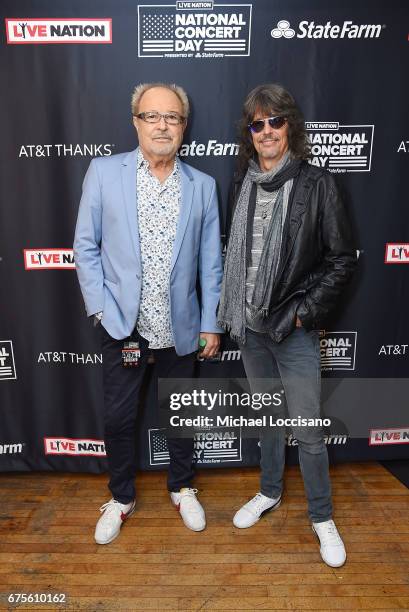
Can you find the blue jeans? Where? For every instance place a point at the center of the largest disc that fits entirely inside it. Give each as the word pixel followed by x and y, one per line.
pixel 296 361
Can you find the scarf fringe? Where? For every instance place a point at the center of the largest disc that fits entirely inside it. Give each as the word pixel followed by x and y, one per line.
pixel 227 328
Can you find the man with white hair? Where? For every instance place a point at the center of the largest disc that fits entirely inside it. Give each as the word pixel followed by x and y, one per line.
pixel 147 231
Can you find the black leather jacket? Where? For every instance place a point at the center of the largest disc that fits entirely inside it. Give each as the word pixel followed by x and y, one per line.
pixel 317 254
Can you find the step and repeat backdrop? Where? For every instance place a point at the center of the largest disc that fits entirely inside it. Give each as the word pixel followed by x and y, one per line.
pixel 69 68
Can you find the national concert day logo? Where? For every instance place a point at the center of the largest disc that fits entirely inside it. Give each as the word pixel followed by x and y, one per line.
pixel 210 446
pixel 23 31
pixel 340 148
pixel 338 350
pixel 49 259
pixel 194 30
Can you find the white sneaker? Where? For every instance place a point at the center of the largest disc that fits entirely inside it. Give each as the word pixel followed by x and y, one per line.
pixel 110 523
pixel 190 508
pixel 252 512
pixel 332 548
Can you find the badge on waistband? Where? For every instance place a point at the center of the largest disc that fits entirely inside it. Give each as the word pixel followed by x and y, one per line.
pixel 130 354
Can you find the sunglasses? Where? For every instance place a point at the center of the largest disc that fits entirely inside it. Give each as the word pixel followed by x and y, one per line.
pixel 274 122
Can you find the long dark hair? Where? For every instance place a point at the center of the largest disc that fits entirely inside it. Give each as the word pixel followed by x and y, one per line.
pixel 272 99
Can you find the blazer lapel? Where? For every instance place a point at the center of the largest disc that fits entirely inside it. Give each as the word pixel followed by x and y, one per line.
pixel 187 190
pixel 128 174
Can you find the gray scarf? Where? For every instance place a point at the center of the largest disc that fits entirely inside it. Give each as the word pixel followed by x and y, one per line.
pixel 232 307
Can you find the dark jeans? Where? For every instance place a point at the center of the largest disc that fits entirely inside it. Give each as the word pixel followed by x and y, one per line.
pixel 122 387
pixel 296 361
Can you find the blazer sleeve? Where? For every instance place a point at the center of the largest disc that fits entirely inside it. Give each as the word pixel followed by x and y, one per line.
pixel 210 264
pixel 87 242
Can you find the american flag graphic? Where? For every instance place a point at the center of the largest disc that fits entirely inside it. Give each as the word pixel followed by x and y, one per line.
pixel 7 365
pixel 158 447
pixel 157 33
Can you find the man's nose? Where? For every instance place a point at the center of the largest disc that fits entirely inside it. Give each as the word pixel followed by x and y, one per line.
pixel 267 129
pixel 162 124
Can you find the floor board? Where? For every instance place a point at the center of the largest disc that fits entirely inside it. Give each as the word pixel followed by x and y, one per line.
pixel 46 545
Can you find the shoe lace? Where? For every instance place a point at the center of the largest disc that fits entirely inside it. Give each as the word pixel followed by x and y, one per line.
pixel 330 535
pixel 110 509
pixel 257 502
pixel 189 500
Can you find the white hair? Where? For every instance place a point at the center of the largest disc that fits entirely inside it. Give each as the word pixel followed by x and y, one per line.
pixel 143 87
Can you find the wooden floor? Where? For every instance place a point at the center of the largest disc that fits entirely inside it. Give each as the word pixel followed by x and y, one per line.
pixel 47 546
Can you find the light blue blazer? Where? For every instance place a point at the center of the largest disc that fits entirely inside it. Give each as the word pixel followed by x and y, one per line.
pixel 108 258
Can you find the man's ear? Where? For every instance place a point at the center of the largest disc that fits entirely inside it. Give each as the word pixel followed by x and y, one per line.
pixel 135 122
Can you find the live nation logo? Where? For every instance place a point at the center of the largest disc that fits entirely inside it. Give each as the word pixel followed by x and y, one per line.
pixel 194 30
pixel 49 259
pixel 397 253
pixel 378 437
pixel 338 350
pixel 23 31
pixel 74 446
pixel 7 363
pixel 210 446
pixel 340 148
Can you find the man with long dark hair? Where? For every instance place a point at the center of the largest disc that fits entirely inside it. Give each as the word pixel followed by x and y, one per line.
pixel 289 256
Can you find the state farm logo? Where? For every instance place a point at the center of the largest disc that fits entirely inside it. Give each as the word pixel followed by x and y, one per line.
pixel 49 259
pixel 194 30
pixel 310 29
pixel 71 446
pixel 229 355
pixel 283 30
pixel 340 148
pixel 329 440
pixel 389 436
pixel 65 150
pixel 7 363
pixel 45 31
pixel 12 449
pixel 212 148
pixel 397 253
pixel 338 350
pixel 215 446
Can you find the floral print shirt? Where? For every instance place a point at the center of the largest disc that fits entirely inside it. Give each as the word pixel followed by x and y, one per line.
pixel 158 211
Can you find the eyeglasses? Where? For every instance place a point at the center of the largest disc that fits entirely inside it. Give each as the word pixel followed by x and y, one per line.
pixel 274 122
pixel 155 117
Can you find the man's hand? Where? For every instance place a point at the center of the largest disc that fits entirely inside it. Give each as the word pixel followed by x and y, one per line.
pixel 298 322
pixel 212 344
